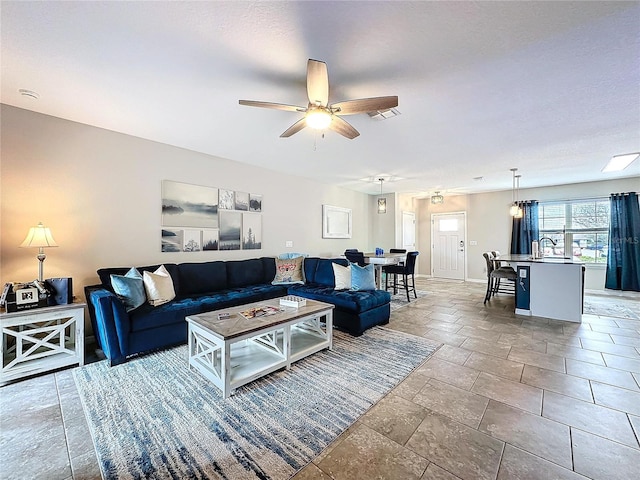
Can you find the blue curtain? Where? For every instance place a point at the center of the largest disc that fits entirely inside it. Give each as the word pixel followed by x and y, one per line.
pixel 525 230
pixel 623 257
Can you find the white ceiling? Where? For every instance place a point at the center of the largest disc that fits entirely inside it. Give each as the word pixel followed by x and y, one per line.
pixel 552 88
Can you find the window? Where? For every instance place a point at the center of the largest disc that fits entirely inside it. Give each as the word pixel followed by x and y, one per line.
pixel 580 229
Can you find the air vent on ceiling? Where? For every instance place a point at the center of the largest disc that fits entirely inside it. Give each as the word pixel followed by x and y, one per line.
pixel 384 114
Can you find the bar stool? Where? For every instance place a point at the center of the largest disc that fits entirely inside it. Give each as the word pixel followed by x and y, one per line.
pixel 405 271
pixel 494 275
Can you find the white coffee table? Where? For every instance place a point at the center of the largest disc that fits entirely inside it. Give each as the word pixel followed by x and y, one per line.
pixel 233 351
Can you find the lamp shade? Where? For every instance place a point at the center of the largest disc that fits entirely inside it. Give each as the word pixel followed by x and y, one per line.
pixel 39 236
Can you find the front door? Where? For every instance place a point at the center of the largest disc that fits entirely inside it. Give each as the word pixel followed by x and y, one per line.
pixel 448 245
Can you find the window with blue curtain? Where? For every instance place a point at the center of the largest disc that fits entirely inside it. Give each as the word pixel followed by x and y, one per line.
pixel 525 230
pixel 623 256
pixel 580 228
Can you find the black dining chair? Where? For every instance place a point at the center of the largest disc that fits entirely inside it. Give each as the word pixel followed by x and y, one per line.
pixel 404 272
pixel 355 257
pixel 495 275
pixel 397 250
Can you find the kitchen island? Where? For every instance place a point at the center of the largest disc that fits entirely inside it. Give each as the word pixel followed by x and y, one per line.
pixel 550 287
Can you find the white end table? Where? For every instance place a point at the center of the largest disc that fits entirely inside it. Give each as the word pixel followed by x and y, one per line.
pixel 41 339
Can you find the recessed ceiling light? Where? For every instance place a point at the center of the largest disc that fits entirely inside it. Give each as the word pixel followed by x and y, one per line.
pixel 620 162
pixel 29 93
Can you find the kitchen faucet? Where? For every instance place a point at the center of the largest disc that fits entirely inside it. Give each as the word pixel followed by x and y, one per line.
pixel 541 247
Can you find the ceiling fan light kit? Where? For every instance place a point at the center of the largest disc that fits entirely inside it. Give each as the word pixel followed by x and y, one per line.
pixel 319 114
pixel 318 119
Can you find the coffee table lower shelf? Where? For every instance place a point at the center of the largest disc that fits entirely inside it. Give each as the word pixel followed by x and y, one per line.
pixel 230 363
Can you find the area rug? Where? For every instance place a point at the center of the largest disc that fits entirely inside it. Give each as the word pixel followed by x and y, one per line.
pixel 399 300
pixel 153 418
pixel 612 307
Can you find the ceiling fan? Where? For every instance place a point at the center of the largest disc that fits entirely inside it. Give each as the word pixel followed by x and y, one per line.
pixel 319 114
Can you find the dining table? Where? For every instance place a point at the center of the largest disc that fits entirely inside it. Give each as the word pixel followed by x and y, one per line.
pixel 379 261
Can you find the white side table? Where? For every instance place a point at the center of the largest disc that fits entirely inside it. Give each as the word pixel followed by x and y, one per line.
pixel 40 340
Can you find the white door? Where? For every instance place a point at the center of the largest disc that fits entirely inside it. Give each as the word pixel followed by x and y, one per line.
pixel 409 231
pixel 448 245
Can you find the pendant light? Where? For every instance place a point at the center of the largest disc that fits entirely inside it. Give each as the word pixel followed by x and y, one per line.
pixel 437 198
pixel 382 201
pixel 515 210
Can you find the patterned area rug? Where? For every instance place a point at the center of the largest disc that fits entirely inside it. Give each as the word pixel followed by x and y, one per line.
pixel 399 300
pixel 612 307
pixel 153 418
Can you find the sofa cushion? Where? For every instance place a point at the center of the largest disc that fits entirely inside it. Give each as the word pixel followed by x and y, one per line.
pixel 288 271
pixel 159 286
pixel 346 299
pixel 269 269
pixel 362 278
pixel 130 289
pixel 241 273
pixel 324 271
pixel 309 266
pixel 147 317
pixel 202 277
pixel 342 276
pixel 105 274
pixel 290 255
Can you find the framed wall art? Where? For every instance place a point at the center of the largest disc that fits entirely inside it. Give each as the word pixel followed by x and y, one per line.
pixel 251 231
pixel 336 222
pixel 186 205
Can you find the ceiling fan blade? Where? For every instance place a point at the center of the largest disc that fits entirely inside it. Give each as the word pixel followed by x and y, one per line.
pixel 343 128
pixel 317 83
pixel 363 105
pixel 275 106
pixel 295 128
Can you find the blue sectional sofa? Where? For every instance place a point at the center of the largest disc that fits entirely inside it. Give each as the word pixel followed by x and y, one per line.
pixel 207 286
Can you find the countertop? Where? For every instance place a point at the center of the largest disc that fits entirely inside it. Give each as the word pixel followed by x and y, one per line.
pixel 529 259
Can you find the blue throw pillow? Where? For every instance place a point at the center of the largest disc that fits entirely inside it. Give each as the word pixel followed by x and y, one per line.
pixel 362 278
pixel 290 255
pixel 130 289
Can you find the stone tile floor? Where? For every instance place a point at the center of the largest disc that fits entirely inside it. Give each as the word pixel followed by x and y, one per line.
pixel 505 397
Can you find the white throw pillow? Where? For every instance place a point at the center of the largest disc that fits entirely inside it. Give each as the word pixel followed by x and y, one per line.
pixel 343 276
pixel 159 286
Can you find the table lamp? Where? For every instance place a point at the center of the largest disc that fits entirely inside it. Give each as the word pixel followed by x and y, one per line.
pixel 39 236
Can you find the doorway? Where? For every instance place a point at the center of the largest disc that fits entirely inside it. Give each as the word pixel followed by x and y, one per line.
pixel 409 231
pixel 448 245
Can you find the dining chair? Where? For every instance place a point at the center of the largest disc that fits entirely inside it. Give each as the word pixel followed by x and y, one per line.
pixel 499 265
pixel 355 257
pixel 404 271
pixel 495 275
pixel 397 250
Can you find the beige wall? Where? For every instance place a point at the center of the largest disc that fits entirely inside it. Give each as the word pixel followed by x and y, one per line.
pixel 383 225
pixel 99 192
pixel 489 223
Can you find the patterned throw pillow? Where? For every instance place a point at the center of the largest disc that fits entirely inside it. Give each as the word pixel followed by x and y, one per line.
pixel 342 275
pixel 288 271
